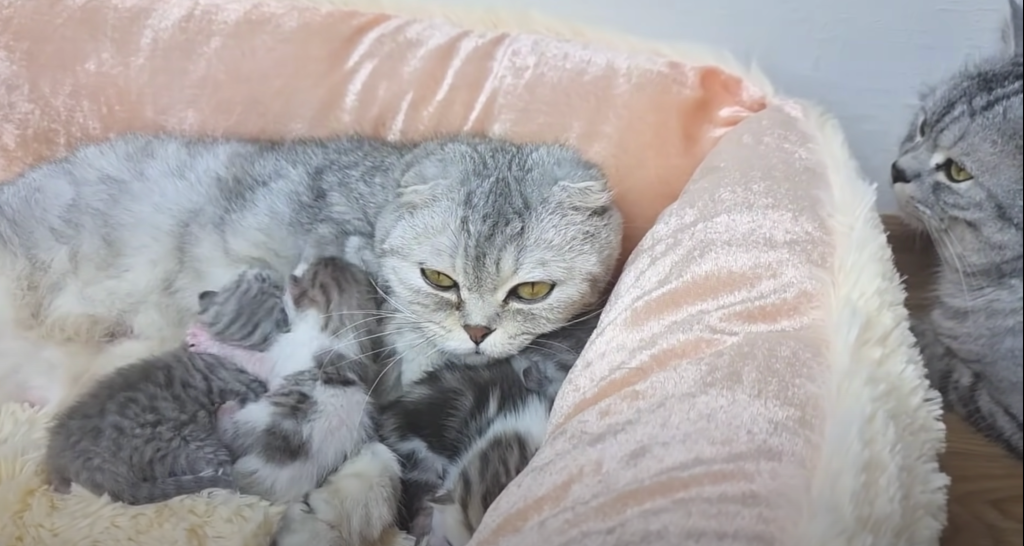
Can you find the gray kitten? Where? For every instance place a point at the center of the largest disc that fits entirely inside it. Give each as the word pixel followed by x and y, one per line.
pixel 147 433
pixel 960 176
pixel 249 312
pixel 458 429
pixel 483 243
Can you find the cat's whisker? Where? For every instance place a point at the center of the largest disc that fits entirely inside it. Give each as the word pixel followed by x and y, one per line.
pixel 945 243
pixel 555 343
pixel 545 349
pixel 395 360
pixel 357 323
pixel 590 315
pixel 391 300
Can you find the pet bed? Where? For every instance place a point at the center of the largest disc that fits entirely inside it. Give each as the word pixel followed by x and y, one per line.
pixel 753 380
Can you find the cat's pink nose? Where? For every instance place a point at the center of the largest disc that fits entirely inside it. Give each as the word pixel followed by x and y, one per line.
pixel 477 333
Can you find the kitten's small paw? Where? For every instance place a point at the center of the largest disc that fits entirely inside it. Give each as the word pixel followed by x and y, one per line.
pixel 227 410
pixel 35 397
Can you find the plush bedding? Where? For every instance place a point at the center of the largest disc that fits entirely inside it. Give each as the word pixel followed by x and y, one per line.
pixel 753 381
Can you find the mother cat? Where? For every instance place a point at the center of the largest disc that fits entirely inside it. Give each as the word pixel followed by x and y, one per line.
pixel 483 244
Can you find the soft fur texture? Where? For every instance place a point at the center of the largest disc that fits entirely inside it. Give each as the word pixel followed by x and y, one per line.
pixel 960 177
pixel 485 470
pixel 147 432
pixel 287 442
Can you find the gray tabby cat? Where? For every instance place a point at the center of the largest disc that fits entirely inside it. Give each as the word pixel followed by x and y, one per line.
pixel 960 176
pixel 147 432
pixel 483 244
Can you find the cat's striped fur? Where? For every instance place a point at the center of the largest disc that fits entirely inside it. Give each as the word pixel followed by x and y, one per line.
pixel 960 176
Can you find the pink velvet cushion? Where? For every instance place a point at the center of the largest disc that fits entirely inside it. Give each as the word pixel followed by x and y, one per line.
pixel 73 71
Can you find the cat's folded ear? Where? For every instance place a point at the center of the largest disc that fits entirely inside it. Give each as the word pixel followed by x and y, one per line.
pixel 425 170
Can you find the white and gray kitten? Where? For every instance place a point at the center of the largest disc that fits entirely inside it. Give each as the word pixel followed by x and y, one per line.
pixel 329 306
pixel 290 440
pixel 318 412
pixel 960 176
pixel 478 239
pixel 147 432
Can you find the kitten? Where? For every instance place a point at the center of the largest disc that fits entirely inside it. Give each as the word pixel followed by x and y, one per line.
pixel 356 506
pixel 289 441
pixel 474 237
pixel 483 473
pixel 241 321
pixel 443 427
pixel 147 433
pixel 329 306
pixel 318 410
pixel 959 176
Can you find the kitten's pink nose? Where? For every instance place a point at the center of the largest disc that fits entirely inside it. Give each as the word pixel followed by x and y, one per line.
pixel 477 333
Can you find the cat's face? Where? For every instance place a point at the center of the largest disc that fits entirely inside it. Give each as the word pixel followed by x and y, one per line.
pixel 492 244
pixel 959 170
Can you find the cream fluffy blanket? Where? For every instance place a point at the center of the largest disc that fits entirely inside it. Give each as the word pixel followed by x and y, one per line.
pixel 34 516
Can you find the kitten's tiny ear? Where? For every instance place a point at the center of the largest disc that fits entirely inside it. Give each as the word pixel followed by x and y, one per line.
pixel 532 377
pixel 442 499
pixel 206 299
pixel 590 194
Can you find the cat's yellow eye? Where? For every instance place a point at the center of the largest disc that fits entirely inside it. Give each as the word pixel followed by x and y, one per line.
pixel 437 279
pixel 956 172
pixel 532 291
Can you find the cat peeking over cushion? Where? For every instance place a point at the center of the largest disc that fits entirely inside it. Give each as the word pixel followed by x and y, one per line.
pixel 960 177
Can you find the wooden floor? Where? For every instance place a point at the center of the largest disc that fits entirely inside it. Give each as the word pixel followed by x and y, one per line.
pixel 986 506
